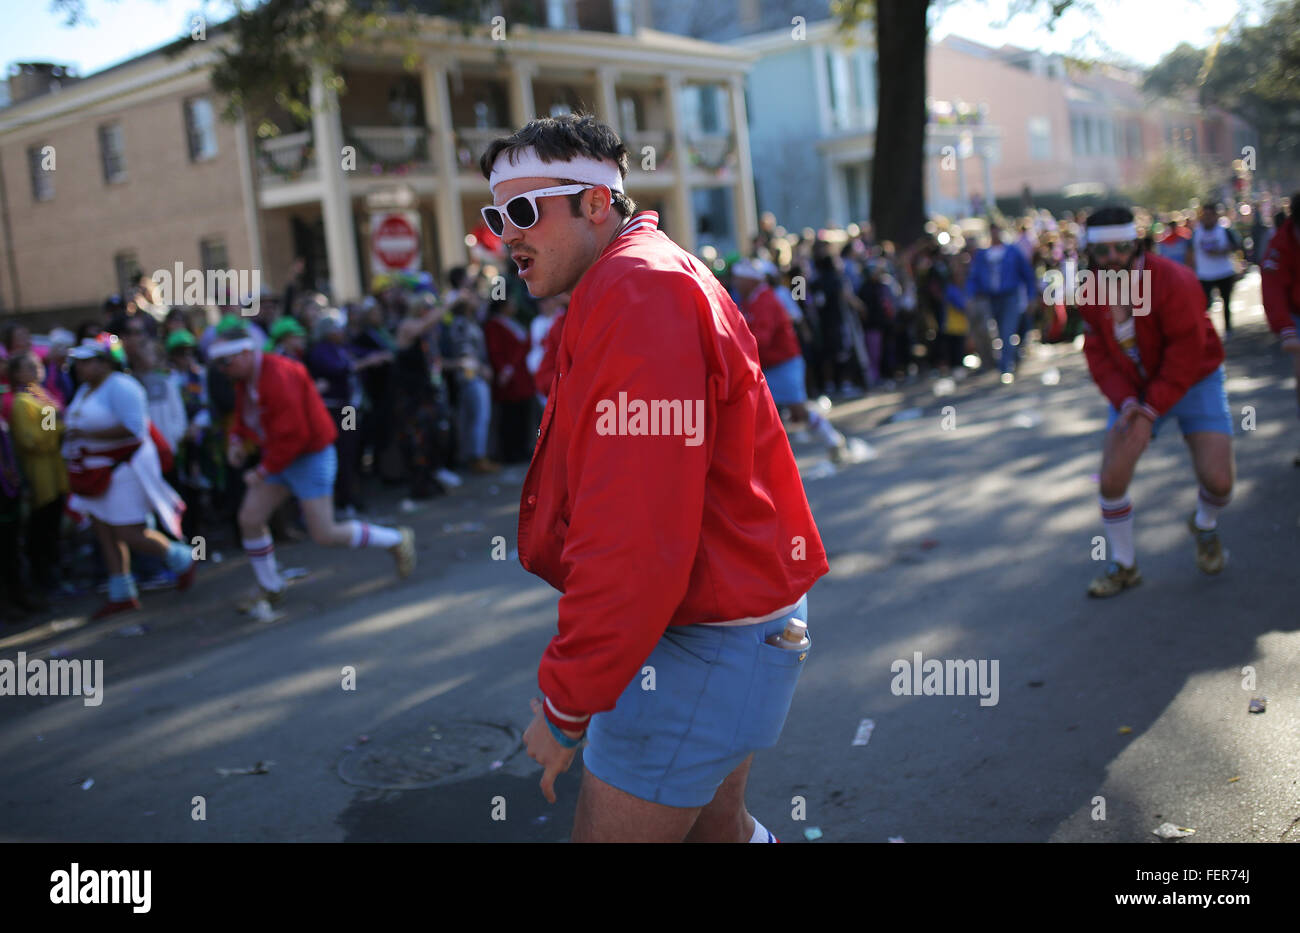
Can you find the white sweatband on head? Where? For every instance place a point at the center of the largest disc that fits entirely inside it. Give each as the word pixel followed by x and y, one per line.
pixel 229 347
pixel 526 163
pixel 1112 233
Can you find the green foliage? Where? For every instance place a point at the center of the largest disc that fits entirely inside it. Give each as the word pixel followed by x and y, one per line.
pixel 1252 71
pixel 1171 182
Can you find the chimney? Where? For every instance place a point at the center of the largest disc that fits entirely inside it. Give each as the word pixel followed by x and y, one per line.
pixel 33 79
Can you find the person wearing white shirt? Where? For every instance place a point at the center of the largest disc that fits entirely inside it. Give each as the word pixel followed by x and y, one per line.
pixel 1213 245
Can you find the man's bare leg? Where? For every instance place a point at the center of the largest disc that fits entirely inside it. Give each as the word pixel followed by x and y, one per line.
pixel 1212 460
pixel 607 814
pixel 724 818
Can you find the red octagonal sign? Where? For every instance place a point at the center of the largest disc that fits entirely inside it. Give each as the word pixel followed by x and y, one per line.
pixel 395 242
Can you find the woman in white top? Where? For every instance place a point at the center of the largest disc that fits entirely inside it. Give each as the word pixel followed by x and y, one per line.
pixel 1213 246
pixel 108 428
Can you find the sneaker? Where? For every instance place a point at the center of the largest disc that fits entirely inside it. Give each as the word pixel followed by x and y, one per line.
pixel 1115 580
pixel 1210 555
pixel 404 552
pixel 261 611
pixel 113 608
pixel 448 478
pixel 248 603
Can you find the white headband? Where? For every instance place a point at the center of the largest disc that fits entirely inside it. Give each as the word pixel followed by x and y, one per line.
pixel 230 347
pixel 1112 233
pixel 527 164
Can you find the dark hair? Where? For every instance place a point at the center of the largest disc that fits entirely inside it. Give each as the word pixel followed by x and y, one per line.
pixel 458 276
pixel 1110 215
pixel 16 363
pixel 8 331
pixel 85 327
pixel 559 139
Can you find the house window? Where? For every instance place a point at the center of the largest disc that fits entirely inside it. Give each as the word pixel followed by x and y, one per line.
pixel 126 269
pixel 212 255
pixel 624 22
pixel 201 129
pixel 1040 138
pixel 112 153
pixel 42 178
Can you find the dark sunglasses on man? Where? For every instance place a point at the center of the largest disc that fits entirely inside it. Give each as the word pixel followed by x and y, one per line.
pixel 522 208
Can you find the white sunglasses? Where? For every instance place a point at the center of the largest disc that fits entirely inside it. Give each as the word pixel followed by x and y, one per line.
pixel 522 208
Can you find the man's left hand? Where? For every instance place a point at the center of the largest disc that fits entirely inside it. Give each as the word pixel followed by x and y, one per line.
pixel 543 749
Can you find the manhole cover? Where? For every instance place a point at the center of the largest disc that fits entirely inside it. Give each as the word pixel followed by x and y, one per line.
pixel 436 754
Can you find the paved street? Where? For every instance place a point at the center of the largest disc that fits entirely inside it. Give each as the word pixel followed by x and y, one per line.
pixel 973 543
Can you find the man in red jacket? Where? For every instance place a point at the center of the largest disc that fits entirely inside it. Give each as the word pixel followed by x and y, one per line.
pixel 278 409
pixel 1155 356
pixel 662 500
pixel 1280 282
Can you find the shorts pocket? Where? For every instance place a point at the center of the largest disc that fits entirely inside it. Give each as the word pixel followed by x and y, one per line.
pixel 776 674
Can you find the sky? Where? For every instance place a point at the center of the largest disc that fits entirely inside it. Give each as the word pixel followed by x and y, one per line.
pixel 1140 30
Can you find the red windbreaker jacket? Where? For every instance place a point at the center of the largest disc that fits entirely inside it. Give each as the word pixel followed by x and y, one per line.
pixel 641 526
pixel 1280 280
pixel 771 326
pixel 294 421
pixel 1176 341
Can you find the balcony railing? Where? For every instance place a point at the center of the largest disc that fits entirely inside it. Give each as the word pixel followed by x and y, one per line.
pixel 390 150
pixel 471 143
pixel 660 141
pixel 711 151
pixel 283 159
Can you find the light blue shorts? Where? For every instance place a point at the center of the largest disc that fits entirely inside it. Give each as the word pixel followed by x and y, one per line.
pixel 786 382
pixel 720 692
pixel 311 475
pixel 1203 408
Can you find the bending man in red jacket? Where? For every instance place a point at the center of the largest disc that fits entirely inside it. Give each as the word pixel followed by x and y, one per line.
pixel 1280 282
pixel 278 408
pixel 662 500
pixel 1155 356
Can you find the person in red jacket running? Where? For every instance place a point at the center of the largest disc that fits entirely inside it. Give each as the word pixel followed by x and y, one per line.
pixel 1280 282
pixel 779 353
pixel 278 408
pixel 662 500
pixel 1155 357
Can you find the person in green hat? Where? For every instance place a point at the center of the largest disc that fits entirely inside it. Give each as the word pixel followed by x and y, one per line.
pixel 198 453
pixel 288 338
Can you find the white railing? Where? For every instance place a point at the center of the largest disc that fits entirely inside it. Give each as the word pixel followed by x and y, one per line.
pixel 391 148
pixel 471 143
pixel 287 158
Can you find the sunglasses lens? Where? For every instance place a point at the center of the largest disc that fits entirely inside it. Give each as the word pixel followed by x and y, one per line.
pixel 521 213
pixel 494 221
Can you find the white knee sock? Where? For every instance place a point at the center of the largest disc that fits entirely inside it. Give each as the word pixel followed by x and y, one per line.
pixel 761 833
pixel 1208 507
pixel 261 554
pixel 824 429
pixel 367 535
pixel 1117 516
